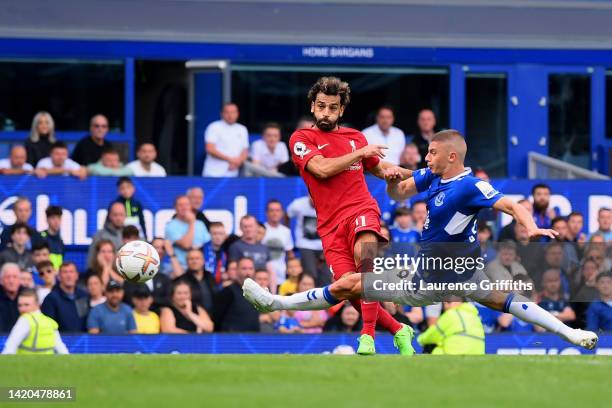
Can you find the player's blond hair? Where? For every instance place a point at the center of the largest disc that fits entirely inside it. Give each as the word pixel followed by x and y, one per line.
pixel 455 139
pixel 331 86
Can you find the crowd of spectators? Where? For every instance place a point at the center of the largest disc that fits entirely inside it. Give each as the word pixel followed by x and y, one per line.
pixel 198 288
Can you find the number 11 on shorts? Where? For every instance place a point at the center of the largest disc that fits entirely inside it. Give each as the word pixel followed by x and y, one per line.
pixel 360 221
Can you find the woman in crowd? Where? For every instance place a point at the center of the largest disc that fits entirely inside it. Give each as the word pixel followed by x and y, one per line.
pixel 42 136
pixel 96 290
pixel 183 316
pixel 104 263
pixel 346 320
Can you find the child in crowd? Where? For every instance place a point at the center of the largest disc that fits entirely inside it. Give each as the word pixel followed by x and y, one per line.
pixel 294 270
pixel 311 321
pixel 133 208
pixel 147 322
pixel 47 274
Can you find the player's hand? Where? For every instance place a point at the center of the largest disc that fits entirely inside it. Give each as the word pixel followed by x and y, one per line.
pixel 396 173
pixel 373 151
pixel 542 232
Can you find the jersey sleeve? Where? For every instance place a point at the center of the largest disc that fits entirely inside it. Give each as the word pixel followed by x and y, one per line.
pixel 481 194
pixel 302 149
pixel 423 178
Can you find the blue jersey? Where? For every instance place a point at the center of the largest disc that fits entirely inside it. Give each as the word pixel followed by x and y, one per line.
pixel 399 235
pixel 452 210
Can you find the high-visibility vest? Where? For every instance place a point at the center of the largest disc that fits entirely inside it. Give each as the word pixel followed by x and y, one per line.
pixel 41 339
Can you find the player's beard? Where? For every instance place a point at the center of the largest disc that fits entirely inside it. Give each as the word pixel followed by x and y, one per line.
pixel 326 125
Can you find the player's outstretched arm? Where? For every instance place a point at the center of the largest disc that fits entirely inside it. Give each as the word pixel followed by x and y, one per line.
pixel 325 167
pixel 522 216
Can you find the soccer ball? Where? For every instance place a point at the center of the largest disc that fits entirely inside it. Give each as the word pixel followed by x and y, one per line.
pixel 137 261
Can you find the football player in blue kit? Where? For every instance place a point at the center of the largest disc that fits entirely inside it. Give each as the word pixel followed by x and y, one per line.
pixel 454 197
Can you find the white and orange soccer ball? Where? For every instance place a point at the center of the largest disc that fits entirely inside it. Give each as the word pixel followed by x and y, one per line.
pixel 137 261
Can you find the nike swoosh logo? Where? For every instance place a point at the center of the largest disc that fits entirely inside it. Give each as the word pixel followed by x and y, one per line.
pixel 322 146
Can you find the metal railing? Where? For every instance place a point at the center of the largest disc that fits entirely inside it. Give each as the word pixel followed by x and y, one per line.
pixel 544 167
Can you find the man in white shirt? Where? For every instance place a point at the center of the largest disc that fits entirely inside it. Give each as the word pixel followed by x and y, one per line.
pixel 384 133
pixel 307 239
pixel 278 240
pixel 58 163
pixel 16 163
pixel 269 151
pixel 146 166
pixel 227 144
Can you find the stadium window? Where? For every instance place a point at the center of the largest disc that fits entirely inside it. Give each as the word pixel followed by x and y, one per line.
pixel 278 94
pixel 72 91
pixel 486 116
pixel 569 118
pixel 609 104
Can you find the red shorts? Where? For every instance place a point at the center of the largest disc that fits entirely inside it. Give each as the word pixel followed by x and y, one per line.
pixel 338 246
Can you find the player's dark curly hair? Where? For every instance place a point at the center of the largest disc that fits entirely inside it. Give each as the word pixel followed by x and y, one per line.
pixel 331 86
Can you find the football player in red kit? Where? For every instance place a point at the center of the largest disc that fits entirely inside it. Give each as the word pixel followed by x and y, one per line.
pixel 333 161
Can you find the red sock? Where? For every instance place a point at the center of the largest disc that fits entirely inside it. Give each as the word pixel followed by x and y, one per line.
pixel 369 314
pixel 387 321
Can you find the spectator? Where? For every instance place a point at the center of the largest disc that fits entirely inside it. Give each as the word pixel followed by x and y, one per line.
pixel 458 331
pixel 109 165
pixel 182 315
pixel 103 264
pixel 40 253
pixel 346 320
pixel 26 280
pixel 261 232
pixel 248 247
pixel 67 304
pixel 307 239
pixel 587 288
pixel 112 231
pixel 231 274
pixel 267 321
pixel 484 234
pixel 287 323
pixel 294 272
pixel 410 158
pixel 159 287
pixel 42 137
pixel 146 166
pixel 542 213
pixel 22 208
pixel 311 321
pixel 604 223
pixel 95 288
pixel 506 265
pixel 130 233
pixel 52 235
pixel 570 255
pixel 419 215
pixel 215 257
pixel 147 321
pixel 426 124
pixel 384 133
pixel 48 274
pixel 227 144
pixel 17 251
pixel 16 164
pixel 599 314
pixel 167 258
pixel 185 231
pixel 288 168
pixel 59 164
pixel 33 333
pixel 278 239
pixel 402 231
pixel 134 210
pixel 232 312
pixel 89 149
pixel 201 282
pixel 113 316
pixel 269 151
pixel 507 232
pixel 575 224
pixel 9 281
pixel 596 252
pixel 196 198
pixel 553 258
pixel 551 297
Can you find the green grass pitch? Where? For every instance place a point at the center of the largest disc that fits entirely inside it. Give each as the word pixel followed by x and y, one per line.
pixel 316 381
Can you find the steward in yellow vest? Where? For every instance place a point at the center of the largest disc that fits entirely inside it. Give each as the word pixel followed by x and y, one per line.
pixel 34 332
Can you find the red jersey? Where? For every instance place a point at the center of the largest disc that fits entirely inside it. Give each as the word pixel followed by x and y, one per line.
pixel 341 196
